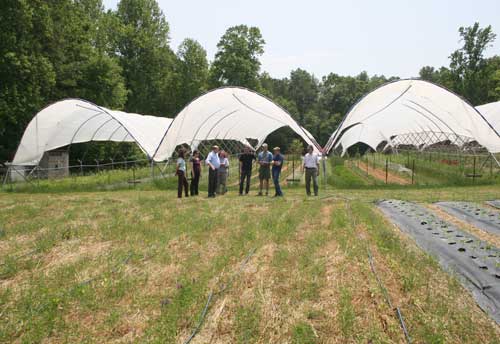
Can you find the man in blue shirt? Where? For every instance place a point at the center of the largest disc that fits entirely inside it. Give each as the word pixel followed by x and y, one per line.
pixel 213 163
pixel 277 164
pixel 264 160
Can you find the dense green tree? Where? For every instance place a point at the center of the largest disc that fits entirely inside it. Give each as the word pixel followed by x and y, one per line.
pixel 429 73
pixel 493 82
pixel 468 65
pixel 71 48
pixel 26 74
pixel 103 82
pixel 273 87
pixel 192 69
pixel 303 91
pixel 237 62
pixel 142 43
pixel 339 93
pixel 47 52
pixel 441 76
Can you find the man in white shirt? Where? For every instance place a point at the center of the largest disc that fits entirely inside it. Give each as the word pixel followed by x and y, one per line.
pixel 213 163
pixel 311 167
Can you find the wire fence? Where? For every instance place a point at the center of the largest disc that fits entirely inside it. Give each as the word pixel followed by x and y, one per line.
pixel 410 167
pixel 108 175
pixel 141 173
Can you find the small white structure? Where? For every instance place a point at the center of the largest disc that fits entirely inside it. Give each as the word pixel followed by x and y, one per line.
pixel 54 164
pixel 18 173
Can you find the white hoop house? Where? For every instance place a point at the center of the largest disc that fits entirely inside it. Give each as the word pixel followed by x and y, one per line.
pixel 491 113
pixel 413 112
pixel 229 113
pixel 75 121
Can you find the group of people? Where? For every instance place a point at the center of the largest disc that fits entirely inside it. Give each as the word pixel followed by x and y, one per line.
pixel 218 163
pixel 269 164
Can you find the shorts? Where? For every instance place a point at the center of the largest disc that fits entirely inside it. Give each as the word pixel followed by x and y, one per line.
pixel 264 173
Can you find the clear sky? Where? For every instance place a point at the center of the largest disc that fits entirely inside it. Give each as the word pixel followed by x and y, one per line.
pixel 390 37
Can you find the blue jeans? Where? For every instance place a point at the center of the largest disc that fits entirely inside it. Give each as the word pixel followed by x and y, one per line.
pixel 276 181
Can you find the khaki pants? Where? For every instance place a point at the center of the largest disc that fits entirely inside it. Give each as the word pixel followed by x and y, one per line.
pixel 312 173
pixel 221 181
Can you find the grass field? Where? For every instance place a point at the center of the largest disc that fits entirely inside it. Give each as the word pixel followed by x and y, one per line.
pixel 138 266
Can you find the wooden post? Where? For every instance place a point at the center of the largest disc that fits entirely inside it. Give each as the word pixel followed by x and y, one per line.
pixel 386 169
pixel 367 162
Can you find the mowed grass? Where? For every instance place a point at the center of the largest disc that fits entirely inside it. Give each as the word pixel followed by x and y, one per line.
pixel 138 266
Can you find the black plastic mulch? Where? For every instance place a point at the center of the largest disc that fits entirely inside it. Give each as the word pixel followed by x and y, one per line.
pixel 475 262
pixel 494 203
pixel 480 216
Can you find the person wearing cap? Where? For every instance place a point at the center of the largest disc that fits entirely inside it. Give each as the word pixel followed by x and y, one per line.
pixel 264 159
pixel 213 163
pixel 246 162
pixel 311 167
pixel 277 163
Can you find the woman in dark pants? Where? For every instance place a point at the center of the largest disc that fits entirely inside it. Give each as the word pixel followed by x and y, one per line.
pixel 195 173
pixel 180 170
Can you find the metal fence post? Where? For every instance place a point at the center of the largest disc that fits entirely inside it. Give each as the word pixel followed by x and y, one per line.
pixel 133 175
pixel 474 170
pixel 413 172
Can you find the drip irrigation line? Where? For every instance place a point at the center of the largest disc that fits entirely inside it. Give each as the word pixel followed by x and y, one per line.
pixel 213 294
pixel 381 285
pixel 387 298
pixel 403 326
pixel 201 320
pixel 240 270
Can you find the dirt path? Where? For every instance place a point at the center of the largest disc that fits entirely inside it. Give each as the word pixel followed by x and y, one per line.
pixel 379 174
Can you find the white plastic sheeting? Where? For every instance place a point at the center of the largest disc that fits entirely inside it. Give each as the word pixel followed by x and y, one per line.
pixel 491 113
pixel 229 113
pixel 410 107
pixel 74 121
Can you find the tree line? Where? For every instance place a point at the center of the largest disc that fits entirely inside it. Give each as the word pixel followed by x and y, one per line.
pixel 123 59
